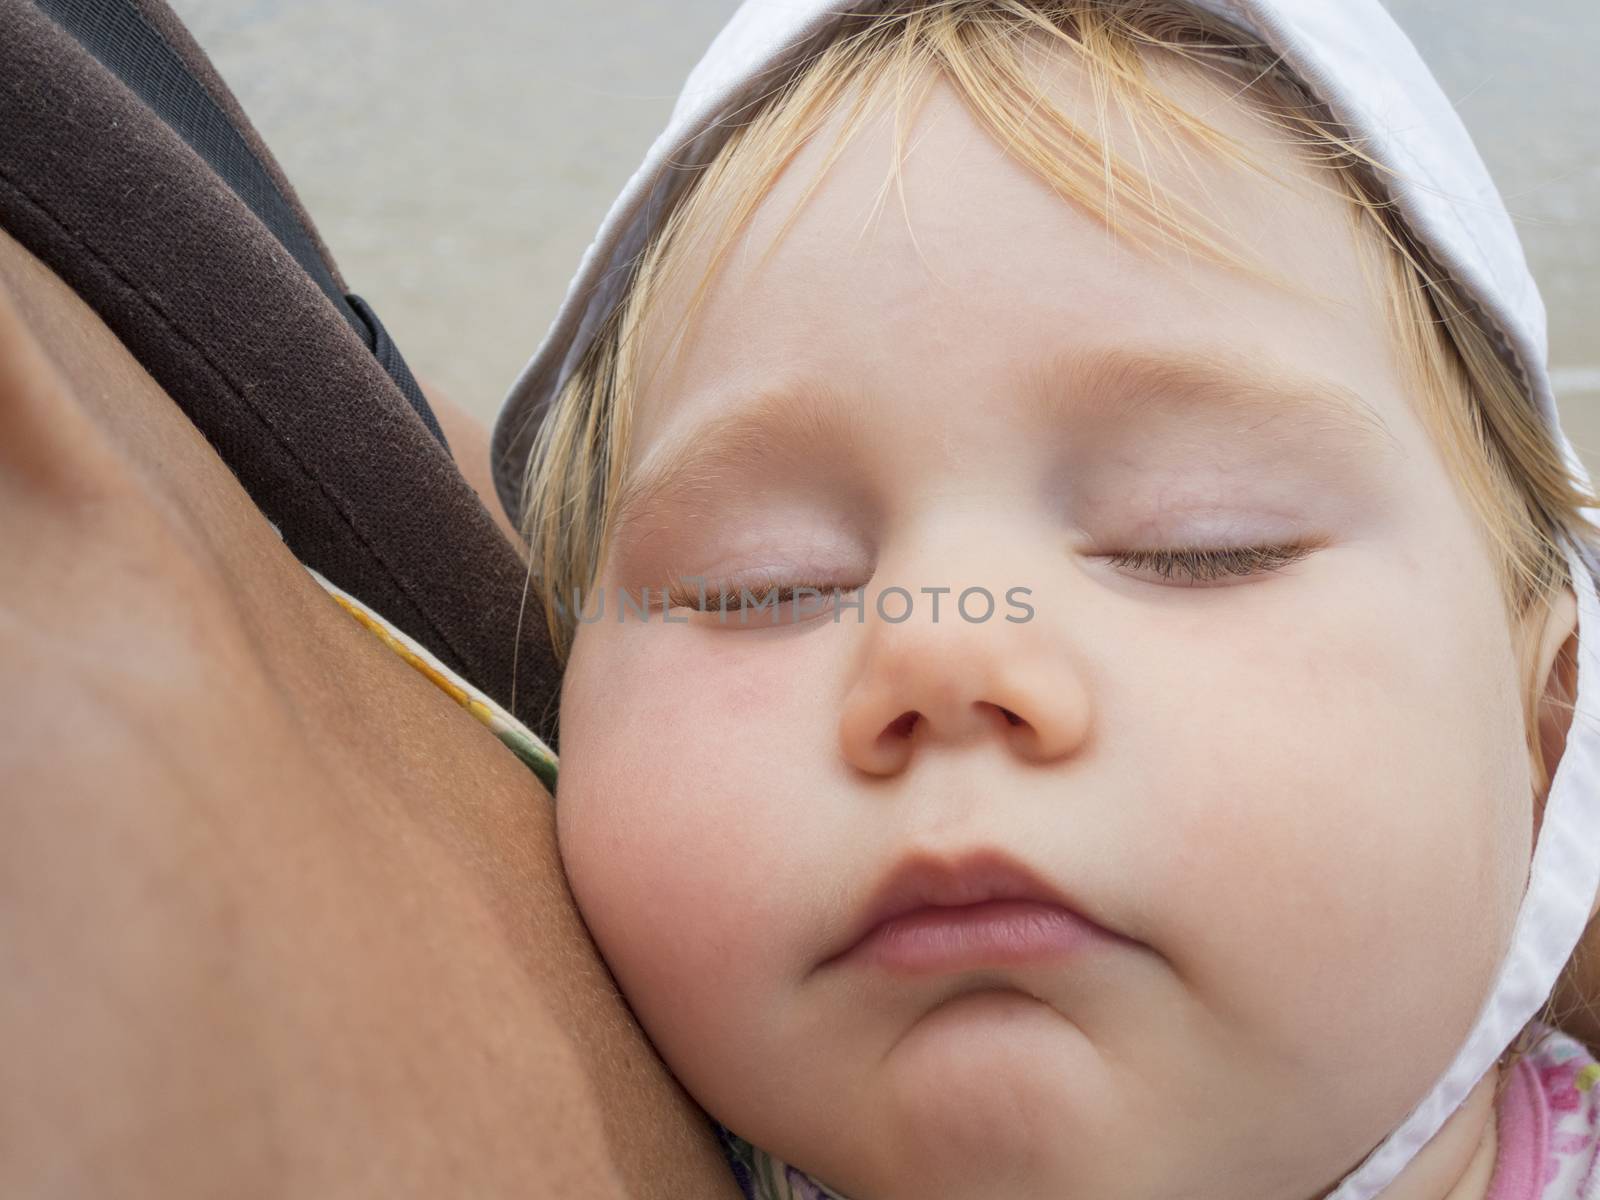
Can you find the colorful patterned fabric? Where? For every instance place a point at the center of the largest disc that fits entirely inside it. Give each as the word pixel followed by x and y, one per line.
pixel 513 734
pixel 762 1177
pixel 1549 1124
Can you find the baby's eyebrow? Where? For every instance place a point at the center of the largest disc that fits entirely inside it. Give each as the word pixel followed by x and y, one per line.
pixel 1122 383
pixel 792 421
pixel 797 421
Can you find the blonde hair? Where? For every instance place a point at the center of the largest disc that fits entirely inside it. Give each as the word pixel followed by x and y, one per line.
pixel 1506 462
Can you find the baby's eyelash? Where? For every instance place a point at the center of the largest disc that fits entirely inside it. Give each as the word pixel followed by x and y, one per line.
pixel 1202 565
pixel 1197 564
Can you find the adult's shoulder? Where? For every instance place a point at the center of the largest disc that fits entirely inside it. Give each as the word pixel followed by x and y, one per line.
pixel 277 910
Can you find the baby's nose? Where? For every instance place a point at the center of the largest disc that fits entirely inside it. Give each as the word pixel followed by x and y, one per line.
pixel 924 682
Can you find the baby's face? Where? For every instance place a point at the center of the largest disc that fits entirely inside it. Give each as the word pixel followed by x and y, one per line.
pixel 1296 799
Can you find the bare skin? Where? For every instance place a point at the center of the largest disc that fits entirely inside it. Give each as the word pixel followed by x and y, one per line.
pixel 271 908
pixel 277 917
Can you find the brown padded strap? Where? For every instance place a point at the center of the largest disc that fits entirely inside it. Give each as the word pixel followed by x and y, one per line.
pixel 102 191
pixel 165 22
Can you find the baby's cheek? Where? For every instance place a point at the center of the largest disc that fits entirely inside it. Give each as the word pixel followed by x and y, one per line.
pixel 1355 835
pixel 677 841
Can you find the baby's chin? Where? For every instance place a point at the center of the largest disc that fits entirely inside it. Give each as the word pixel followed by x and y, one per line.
pixel 994 1094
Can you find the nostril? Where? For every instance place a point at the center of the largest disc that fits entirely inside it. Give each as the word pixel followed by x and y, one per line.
pixel 1011 717
pixel 902 725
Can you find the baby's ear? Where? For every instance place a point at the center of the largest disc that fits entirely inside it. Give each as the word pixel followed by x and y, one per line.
pixel 1557 667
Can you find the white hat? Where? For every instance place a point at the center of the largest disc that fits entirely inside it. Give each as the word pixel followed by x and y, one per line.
pixel 1352 56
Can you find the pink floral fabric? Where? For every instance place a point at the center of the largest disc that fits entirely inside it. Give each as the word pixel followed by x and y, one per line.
pixel 1549 1124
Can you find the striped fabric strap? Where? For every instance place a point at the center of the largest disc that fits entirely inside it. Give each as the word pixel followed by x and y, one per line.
pixel 516 736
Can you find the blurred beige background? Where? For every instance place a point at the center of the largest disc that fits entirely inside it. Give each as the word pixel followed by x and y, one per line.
pixel 458 157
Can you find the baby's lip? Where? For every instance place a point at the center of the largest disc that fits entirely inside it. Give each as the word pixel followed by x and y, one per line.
pixel 922 879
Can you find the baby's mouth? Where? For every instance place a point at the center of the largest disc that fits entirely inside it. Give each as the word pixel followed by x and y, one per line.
pixel 983 908
pixel 991 933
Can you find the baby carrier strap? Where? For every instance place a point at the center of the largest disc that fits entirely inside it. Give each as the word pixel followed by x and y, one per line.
pixel 130 46
pixel 128 168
